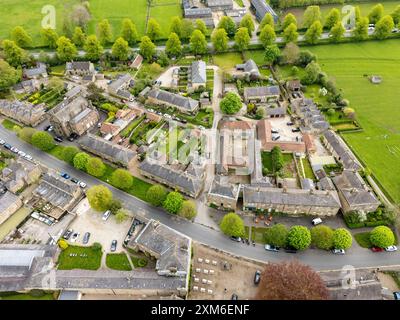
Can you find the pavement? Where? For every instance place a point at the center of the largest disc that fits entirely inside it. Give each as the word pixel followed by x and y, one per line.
pixel 317 259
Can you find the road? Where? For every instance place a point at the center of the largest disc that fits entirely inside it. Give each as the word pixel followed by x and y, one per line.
pixel 318 259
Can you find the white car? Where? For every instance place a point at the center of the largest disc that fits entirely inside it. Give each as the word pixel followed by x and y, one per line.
pixel 14 149
pixel 2 142
pixel 74 237
pixel 28 157
pixel 22 154
pixel 338 251
pixel 82 184
pixel 316 221
pixel 391 249
pixel 106 215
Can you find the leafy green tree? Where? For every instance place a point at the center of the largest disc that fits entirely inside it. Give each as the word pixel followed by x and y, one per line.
pixel 99 197
pixel 69 153
pixel 81 160
pixel 201 26
pixel 332 18
pixel 173 46
pixel 50 37
pixel 360 32
pixel 342 239
pixel 93 48
pixel 219 39
pixel 66 50
pixel 276 235
pixel 198 43
pixel 104 32
pixel 129 31
pixel 267 35
pixel 376 13
pixel 121 215
pixel 382 237
pixel 228 24
pixel 188 210
pixel 288 20
pixel 176 26
pixel 322 237
pixel 299 237
pixel 267 20
pixel 277 159
pixel 357 13
pixel 153 29
pixel 231 103
pixel 290 33
pixel 337 32
pixel 291 53
pixel 120 49
pixel 232 225
pixel 242 39
pixel 173 202
pixel 95 167
pixel 13 54
pixel 114 206
pixel 79 37
pixel 312 14
pixel 247 22
pixel 26 134
pixel 314 32
pixel 187 29
pixel 43 141
pixel 122 179
pixel 21 37
pixel 156 195
pixel 272 53
pixel 147 48
pixel 8 75
pixel 384 27
pixel 396 15
pixel 305 57
pixel 312 73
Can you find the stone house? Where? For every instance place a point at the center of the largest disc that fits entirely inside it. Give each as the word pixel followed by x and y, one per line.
pixel 39 71
pixel 197 75
pixel 120 87
pixel 223 194
pixel 23 112
pixel 249 69
pixel 9 204
pixel 79 68
pixel 219 5
pixel 183 104
pixel 261 8
pixel 258 95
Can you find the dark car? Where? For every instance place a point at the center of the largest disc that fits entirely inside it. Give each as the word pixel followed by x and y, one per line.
pixel 257 277
pixel 113 245
pixel 296 130
pixel 74 180
pixel 237 239
pixel 290 250
pixel 67 234
pixel 72 137
pixel 8 146
pixel 131 230
pixel 65 176
pixel 86 238
pixel 58 139
pixel 376 249
pixel 136 222
pixel 234 297
pixel 290 123
pixel 396 295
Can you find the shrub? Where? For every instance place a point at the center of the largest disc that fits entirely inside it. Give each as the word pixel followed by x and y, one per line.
pixel 322 237
pixel 342 239
pixel 95 167
pixel 122 179
pixel 276 235
pixel 156 195
pixel 231 103
pixel 43 141
pixel 188 210
pixel 299 237
pixel 26 134
pixel 173 202
pixel 97 246
pixel 69 153
pixel 81 160
pixel 115 205
pixel 232 225
pixel 382 237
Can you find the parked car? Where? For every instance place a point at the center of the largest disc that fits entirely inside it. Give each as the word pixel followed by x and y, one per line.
pixel 234 297
pixel 58 139
pixel 338 251
pixel 65 175
pixel 14 149
pixel 290 250
pixel 274 131
pixel 396 295
pixel 48 128
pixel 274 138
pixel 68 234
pixel 74 237
pixel 296 130
pixel 237 239
pixel 136 222
pixel 391 249
pixel 316 221
pixel 270 247
pixel 2 142
pixel 113 245
pixel 28 157
pixel 21 153
pixel 376 249
pixel 7 146
pixel 257 277
pixel 82 184
pixel 106 215
pixel 75 180
pixel 290 123
pixel 72 137
pixel 86 238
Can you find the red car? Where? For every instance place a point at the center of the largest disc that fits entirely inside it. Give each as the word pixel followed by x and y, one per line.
pixel 376 249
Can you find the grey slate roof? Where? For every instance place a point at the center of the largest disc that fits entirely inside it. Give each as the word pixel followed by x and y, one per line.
pixel 221 187
pixel 198 12
pixel 174 99
pixel 261 91
pixel 69 109
pixel 38 70
pixel 249 66
pixel 198 72
pixel 219 3
pixel 7 200
pixel 22 111
pixel 121 81
pixel 78 65
pixel 261 8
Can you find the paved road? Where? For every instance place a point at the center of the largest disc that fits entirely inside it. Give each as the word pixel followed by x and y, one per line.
pixel 316 258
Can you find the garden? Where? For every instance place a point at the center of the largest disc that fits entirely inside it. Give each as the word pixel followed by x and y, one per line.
pixel 278 163
pixel 118 261
pixel 380 237
pixel 76 257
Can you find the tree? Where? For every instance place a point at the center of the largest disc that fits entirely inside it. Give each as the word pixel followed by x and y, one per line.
pixel 357 13
pixel 330 112
pixel 156 195
pixel 360 32
pixel 176 26
pixel 21 37
pixel 247 22
pixel 201 26
pixel 267 20
pixel 276 235
pixel 198 43
pixel 50 37
pixel 291 281
pixel 66 50
pixel 267 35
pixel 129 32
pixel 384 27
pixel 104 32
pixel 188 210
pixel 122 179
pixel 188 28
pixel 173 46
pixel 97 246
pixel 8 75
pixel 43 141
pixel 147 48
pixel 219 39
pixel 231 103
pixel 312 73
pixel 69 153
pixel 276 159
pixel 291 53
pixel 376 13
pixel 396 15
pixel 311 15
pixel 322 237
pixel 332 18
pixel 288 20
pixel 342 239
pixel 120 49
pixel 95 167
pixel 13 54
pixel 314 32
pixel 272 53
pixel 173 202
pixel 228 24
pixel 299 237
pixel 99 197
pixel 290 34
pixel 261 112
pixel 337 32
pixel 81 160
pixel 93 48
pixel 242 39
pixel 80 16
pixel 63 244
pixel 382 237
pixel 26 134
pixel 153 29
pixel 114 206
pixel 232 225
pixel 79 37
pixel 121 215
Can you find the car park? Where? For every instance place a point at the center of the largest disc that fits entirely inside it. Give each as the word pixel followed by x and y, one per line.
pixel 338 251
pixel 113 245
pixel 86 238
pixel 391 249
pixel 376 249
pixel 270 247
pixel 257 277
pixel 106 215
pixel 68 234
pixel 237 239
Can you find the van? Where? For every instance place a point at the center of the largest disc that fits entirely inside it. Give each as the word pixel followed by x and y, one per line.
pixel 316 221
pixel 106 215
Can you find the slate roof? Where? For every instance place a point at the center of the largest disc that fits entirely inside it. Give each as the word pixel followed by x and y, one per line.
pixel 121 81
pixel 6 201
pixel 197 12
pixel 16 171
pixel 222 188
pixel 79 65
pixel 70 109
pixel 198 72
pixel 22 111
pixel 261 91
pixel 38 70
pixel 219 3
pixel 261 8
pixel 249 66
pixel 174 99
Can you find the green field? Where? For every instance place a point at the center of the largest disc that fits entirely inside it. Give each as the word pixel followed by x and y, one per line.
pixel 376 105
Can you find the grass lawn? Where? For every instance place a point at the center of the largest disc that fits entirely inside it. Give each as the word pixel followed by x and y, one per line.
pixel 12 222
pixel 139 262
pixel 27 296
pixel 118 261
pixel 9 125
pixel 164 14
pixel 375 105
pixel 362 239
pixel 91 261
pixel 227 61
pixel 307 169
pixel 257 234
